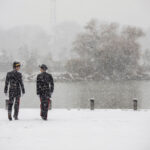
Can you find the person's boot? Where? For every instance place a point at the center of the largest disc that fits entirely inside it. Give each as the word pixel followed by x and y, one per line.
pixel 9 117
pixel 15 117
pixel 44 116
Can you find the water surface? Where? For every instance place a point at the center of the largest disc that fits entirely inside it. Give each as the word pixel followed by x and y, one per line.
pixel 107 94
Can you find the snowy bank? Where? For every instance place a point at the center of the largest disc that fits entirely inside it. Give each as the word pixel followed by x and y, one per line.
pixel 76 130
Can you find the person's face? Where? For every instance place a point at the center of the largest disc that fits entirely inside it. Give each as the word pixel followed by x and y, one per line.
pixel 18 68
pixel 41 70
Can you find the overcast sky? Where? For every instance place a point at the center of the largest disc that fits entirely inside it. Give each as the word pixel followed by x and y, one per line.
pixel 22 12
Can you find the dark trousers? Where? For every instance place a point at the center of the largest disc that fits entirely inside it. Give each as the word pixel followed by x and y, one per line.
pixel 45 101
pixel 16 102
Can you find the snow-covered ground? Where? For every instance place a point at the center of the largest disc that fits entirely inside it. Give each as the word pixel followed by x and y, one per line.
pixel 76 130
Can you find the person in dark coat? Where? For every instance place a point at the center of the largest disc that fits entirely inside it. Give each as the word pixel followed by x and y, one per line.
pixel 15 83
pixel 45 88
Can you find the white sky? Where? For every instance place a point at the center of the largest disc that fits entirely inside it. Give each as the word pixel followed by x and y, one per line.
pixel 37 12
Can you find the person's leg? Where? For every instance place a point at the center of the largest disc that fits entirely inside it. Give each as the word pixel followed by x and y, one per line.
pixel 42 99
pixel 41 113
pixel 16 107
pixel 10 104
pixel 49 104
pixel 46 103
pixel 44 107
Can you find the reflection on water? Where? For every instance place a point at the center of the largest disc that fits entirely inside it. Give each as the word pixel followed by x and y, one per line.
pixel 107 94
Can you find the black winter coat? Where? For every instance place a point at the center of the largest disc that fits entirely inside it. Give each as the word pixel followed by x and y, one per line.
pixel 15 83
pixel 45 84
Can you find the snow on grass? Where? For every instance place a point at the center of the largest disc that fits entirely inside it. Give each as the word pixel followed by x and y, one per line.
pixel 76 130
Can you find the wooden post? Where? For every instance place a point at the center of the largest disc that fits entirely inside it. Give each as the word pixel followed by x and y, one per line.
pixel 92 103
pixel 6 104
pixel 135 104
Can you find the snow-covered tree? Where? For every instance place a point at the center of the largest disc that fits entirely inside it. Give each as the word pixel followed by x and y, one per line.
pixel 107 51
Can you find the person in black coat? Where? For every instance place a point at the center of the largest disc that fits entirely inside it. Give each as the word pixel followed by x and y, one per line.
pixel 45 88
pixel 15 83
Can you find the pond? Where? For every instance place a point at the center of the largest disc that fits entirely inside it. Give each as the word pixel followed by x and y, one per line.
pixel 107 94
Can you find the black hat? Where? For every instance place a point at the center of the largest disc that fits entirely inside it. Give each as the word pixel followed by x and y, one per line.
pixel 16 64
pixel 44 67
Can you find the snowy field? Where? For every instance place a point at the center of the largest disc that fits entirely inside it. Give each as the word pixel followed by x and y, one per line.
pixel 76 130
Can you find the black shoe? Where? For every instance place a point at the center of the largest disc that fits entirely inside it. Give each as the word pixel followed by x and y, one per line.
pixel 9 117
pixel 44 118
pixel 15 117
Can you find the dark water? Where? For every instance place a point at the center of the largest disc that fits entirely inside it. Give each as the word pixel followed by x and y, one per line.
pixel 107 94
